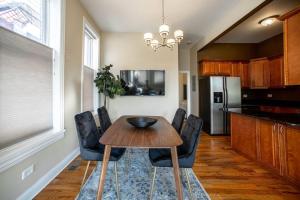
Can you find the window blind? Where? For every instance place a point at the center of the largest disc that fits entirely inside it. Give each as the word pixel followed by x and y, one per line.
pixel 88 89
pixel 26 88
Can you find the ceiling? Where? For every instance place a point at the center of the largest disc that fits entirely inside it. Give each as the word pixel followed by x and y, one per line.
pixel 250 31
pixel 196 18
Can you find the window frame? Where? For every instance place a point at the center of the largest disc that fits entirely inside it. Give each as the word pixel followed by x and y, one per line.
pixel 45 24
pixel 95 65
pixel 16 153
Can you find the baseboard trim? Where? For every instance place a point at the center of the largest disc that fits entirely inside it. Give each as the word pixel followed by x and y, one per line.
pixel 31 192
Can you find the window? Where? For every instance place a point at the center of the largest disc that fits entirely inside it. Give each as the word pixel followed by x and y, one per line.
pixel 26 17
pixel 90 65
pixel 31 78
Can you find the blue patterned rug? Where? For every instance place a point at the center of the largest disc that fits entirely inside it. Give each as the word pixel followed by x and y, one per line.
pixel 135 182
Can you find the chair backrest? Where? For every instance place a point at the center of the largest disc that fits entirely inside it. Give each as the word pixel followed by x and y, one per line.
pixel 191 135
pixel 104 119
pixel 87 131
pixel 178 119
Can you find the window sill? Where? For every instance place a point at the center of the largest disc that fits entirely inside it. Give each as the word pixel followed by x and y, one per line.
pixel 18 152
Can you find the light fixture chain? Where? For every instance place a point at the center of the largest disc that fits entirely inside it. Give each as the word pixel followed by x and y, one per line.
pixel 163 11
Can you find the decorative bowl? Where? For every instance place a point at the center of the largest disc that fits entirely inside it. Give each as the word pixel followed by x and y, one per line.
pixel 141 122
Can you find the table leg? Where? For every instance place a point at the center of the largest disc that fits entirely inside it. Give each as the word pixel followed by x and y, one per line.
pixel 103 171
pixel 176 172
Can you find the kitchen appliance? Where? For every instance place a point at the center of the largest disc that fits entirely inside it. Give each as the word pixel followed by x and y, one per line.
pixel 216 95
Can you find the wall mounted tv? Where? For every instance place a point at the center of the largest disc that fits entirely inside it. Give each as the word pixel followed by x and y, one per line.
pixel 143 82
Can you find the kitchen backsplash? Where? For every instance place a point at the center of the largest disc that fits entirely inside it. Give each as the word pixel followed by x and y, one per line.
pixel 288 97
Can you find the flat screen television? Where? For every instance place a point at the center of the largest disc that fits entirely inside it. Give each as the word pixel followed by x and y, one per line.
pixel 143 82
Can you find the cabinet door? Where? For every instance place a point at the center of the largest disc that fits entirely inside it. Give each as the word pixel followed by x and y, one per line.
pixel 276 73
pixel 225 68
pixel 208 68
pixel 243 134
pixel 240 69
pixel 265 142
pixel 244 74
pixel 292 50
pixel 293 153
pixel 259 73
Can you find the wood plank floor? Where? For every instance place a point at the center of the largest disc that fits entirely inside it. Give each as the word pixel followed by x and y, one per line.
pixel 224 174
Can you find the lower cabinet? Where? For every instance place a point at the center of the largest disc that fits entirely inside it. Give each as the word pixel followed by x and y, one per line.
pixel 274 145
pixel 293 154
pixel 243 137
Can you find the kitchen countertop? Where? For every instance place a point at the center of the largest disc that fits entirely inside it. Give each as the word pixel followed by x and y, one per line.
pixel 284 118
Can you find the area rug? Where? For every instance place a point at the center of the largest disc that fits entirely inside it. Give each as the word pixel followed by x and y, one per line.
pixel 135 181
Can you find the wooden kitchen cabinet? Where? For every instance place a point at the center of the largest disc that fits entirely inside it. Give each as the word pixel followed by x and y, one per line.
pixel 208 68
pixel 225 68
pixel 276 72
pixel 259 73
pixel 293 154
pixel 243 134
pixel 240 69
pixel 291 32
pixel 266 143
pixel 275 145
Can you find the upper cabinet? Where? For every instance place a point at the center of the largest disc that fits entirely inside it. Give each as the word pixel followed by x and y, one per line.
pixel 292 47
pixel 259 73
pixel 225 68
pixel 276 72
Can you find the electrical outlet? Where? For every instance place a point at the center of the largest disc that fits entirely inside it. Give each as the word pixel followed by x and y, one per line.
pixel 26 172
pixel 245 95
pixel 269 95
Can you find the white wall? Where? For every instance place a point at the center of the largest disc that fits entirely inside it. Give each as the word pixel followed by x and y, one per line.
pixel 128 51
pixel 184 59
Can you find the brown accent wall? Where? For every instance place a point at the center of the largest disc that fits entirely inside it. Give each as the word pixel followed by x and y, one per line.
pixel 228 51
pixel 270 47
pixel 243 51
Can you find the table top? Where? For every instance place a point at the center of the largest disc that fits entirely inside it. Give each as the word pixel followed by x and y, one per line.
pixel 122 134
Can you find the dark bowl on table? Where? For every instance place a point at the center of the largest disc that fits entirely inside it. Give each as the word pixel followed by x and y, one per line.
pixel 141 122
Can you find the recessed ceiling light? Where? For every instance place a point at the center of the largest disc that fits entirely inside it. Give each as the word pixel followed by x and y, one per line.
pixel 268 20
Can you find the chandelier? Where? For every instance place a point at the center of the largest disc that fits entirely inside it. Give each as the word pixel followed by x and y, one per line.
pixel 164 30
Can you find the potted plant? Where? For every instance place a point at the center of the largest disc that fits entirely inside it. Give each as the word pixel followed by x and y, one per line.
pixel 107 83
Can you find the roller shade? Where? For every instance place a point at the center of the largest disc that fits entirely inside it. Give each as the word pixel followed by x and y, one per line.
pixel 26 88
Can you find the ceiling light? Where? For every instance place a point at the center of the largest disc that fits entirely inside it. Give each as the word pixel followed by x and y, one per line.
pixel 268 20
pixel 164 31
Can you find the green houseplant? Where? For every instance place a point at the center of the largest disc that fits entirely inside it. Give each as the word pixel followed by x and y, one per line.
pixel 107 83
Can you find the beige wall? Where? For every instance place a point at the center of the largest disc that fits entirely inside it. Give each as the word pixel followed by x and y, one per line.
pixel 128 51
pixel 11 185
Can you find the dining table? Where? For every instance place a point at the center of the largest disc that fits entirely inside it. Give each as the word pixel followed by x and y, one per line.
pixel 121 134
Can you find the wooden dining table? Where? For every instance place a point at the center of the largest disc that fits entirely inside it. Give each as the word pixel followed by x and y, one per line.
pixel 123 135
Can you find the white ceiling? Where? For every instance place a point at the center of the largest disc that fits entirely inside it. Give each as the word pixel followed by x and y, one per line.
pixel 251 32
pixel 196 18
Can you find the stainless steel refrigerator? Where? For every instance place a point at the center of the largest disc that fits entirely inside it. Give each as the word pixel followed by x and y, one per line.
pixel 216 94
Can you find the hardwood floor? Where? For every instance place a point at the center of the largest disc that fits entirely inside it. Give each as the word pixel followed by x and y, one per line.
pixel 224 174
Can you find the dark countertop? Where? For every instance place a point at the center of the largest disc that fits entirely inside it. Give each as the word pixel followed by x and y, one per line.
pixel 284 118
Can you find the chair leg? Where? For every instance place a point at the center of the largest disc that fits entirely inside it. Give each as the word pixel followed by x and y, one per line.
pixel 188 182
pixel 152 184
pixel 86 170
pixel 117 182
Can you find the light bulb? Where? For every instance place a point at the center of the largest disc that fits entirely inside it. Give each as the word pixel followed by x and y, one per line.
pixel 148 38
pixel 178 34
pixel 164 30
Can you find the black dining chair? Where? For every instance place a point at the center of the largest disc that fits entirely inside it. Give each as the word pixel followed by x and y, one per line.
pixel 178 119
pixel 105 123
pixel 90 148
pixel 186 152
pixel 104 119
